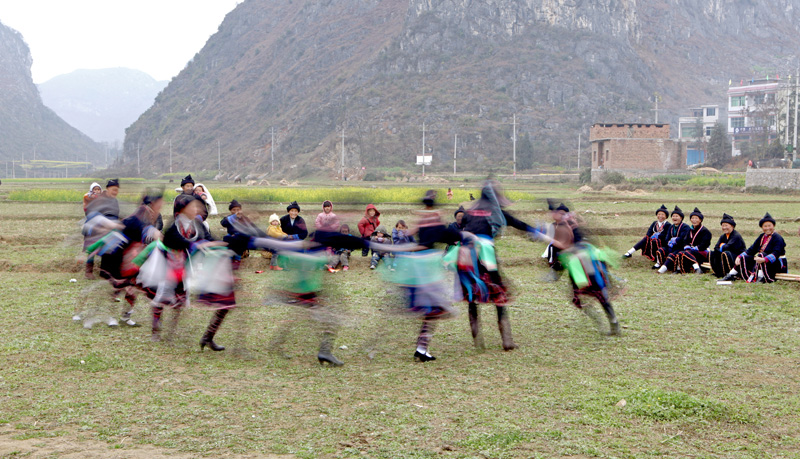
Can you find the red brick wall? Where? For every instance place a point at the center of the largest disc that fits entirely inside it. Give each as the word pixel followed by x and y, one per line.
pixel 629 131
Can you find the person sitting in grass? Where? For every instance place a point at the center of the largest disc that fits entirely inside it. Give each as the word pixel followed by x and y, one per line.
pixel 327 220
pixel 764 259
pixel 694 248
pixel 367 225
pixel 340 256
pixel 238 223
pixel 670 237
pixel 729 246
pixel 275 231
pixel 293 224
pixel 379 236
pixel 651 242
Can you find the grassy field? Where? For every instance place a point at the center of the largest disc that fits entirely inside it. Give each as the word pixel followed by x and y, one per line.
pixel 705 370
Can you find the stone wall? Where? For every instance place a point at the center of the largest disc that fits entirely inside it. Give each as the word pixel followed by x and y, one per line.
pixel 784 179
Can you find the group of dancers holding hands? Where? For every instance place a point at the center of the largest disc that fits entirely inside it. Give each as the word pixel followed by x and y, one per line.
pixel 170 266
pixel 677 247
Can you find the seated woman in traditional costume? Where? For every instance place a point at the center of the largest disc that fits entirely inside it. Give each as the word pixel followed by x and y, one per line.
pixel 650 244
pixel 670 237
pixel 763 259
pixel 728 247
pixel 694 248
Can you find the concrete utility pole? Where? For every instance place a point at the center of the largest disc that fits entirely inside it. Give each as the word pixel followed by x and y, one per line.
pixel 514 142
pixel 656 96
pixel 423 149
pixel 455 149
pixel 342 153
pixel 579 150
pixel 138 164
pixel 170 156
pixel 272 148
pixel 788 101
pixel 219 159
pixel 796 101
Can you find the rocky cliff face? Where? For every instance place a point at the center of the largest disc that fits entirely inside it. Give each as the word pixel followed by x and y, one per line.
pixel 380 68
pixel 25 123
pixel 101 103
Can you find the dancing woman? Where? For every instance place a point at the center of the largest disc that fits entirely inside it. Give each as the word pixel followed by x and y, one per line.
pixel 186 235
pixel 764 259
pixel 478 270
pixel 729 246
pixel 650 244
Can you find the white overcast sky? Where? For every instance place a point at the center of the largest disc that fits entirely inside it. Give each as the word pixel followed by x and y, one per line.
pixel 157 37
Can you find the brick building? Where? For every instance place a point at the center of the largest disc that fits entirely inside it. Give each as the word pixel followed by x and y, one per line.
pixel 636 150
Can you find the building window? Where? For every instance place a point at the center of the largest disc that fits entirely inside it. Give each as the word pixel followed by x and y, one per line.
pixel 606 155
pixel 711 112
pixel 594 156
pixel 772 120
pixel 708 131
pixel 697 113
pixel 737 122
pixel 770 98
pixel 688 132
pixel 758 99
pixel 737 101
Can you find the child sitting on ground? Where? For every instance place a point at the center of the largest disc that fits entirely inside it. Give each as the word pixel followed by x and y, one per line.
pixel 400 236
pixel 274 231
pixel 340 256
pixel 380 236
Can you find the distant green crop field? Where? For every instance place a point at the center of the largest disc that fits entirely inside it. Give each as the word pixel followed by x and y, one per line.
pixel 347 195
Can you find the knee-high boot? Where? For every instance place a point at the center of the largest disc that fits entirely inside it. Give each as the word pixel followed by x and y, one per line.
pixel 213 326
pixel 613 323
pixel 504 324
pixel 325 354
pixel 475 325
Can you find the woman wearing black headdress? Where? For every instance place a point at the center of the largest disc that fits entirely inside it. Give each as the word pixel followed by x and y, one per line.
pixel 650 244
pixel 729 246
pixel 480 279
pixel 764 259
pixel 670 238
pixel 694 248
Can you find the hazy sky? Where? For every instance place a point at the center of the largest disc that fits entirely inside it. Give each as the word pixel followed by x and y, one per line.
pixel 157 37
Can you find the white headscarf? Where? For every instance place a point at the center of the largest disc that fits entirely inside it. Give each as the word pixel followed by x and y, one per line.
pixel 212 206
pixel 95 184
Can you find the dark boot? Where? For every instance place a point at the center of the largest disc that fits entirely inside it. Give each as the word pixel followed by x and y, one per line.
pixel 213 326
pixel 89 271
pixel 504 324
pixel 475 326
pixel 325 354
pixel 613 323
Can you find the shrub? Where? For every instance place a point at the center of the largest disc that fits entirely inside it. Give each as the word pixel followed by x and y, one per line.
pixel 585 176
pixel 373 176
pixel 614 178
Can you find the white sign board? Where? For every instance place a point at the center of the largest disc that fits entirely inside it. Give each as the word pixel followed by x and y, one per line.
pixel 424 160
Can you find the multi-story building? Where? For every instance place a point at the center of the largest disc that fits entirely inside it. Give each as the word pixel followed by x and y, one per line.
pixel 753 110
pixel 696 127
pixel 703 117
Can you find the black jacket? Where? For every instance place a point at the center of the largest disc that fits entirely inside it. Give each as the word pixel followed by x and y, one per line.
pixel 696 237
pixel 654 228
pixel 299 228
pixel 776 246
pixel 733 243
pixel 477 222
pixel 680 231
pixel 174 240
